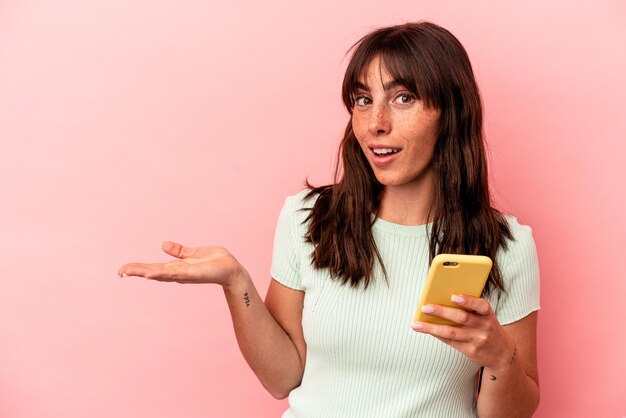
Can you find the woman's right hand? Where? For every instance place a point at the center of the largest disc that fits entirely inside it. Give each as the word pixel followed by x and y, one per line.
pixel 193 265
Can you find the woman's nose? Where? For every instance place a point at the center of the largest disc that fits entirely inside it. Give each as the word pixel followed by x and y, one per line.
pixel 379 120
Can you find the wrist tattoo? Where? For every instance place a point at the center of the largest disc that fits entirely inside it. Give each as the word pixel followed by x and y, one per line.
pixel 246 298
pixel 492 376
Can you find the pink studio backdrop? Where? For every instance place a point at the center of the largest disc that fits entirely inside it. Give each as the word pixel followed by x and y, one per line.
pixel 123 124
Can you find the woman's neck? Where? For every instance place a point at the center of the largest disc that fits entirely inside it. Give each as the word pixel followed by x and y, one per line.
pixel 406 205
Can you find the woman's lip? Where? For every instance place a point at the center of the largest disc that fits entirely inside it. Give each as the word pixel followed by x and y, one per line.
pixel 383 160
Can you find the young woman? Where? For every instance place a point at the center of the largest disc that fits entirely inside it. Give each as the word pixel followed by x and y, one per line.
pixel 350 259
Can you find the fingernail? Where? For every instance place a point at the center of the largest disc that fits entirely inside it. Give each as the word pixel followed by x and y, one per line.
pixel 428 309
pixel 457 299
pixel 417 326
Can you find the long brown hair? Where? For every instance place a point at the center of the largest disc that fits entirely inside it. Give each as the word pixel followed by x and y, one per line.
pixel 430 62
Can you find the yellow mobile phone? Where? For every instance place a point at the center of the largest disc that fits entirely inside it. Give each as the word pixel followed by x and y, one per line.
pixel 452 274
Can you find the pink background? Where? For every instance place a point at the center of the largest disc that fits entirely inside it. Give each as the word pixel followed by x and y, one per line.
pixel 123 124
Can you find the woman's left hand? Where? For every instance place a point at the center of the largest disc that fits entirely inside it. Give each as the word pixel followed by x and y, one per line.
pixel 479 335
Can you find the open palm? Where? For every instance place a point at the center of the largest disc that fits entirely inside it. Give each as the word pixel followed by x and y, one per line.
pixel 193 265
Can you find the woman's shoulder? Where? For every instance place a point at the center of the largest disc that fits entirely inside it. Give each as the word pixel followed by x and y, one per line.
pixel 519 267
pixel 519 231
pixel 297 206
pixel 521 245
pixel 304 199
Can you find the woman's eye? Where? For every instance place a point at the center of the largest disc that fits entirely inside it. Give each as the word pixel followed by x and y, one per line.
pixel 362 101
pixel 405 98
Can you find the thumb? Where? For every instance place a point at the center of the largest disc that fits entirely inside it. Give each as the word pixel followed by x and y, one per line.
pixel 177 250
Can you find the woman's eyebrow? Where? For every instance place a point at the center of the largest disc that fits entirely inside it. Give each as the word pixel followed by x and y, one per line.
pixel 387 86
pixel 360 86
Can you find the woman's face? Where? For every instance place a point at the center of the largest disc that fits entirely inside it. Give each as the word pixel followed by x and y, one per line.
pixel 397 132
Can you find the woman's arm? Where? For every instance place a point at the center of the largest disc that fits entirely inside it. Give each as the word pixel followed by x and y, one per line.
pixel 513 389
pixel 269 334
pixel 276 355
pixel 510 384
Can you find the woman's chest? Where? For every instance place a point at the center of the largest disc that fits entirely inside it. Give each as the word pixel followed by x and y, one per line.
pixel 369 329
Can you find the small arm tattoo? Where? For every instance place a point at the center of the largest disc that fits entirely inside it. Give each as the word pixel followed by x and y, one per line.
pixel 246 299
pixel 493 377
pixel 513 356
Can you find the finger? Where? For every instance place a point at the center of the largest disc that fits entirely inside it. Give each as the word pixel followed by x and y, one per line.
pixel 177 250
pixel 477 305
pixel 459 345
pixel 158 271
pixel 174 271
pixel 447 332
pixel 134 269
pixel 458 315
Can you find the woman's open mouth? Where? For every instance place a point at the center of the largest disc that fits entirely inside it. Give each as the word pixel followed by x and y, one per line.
pixel 384 156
